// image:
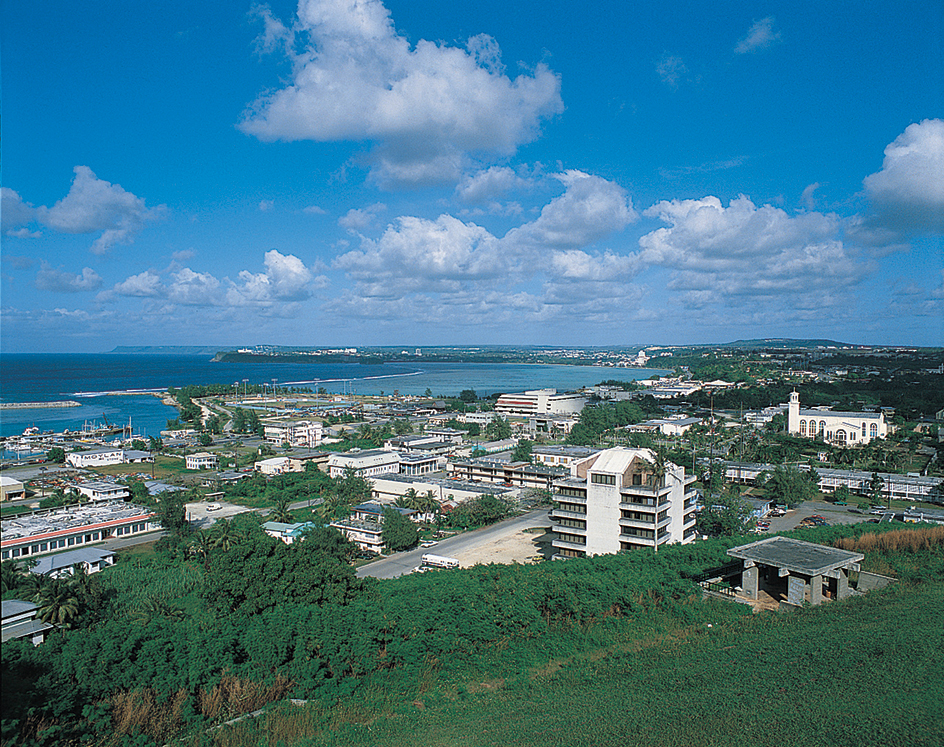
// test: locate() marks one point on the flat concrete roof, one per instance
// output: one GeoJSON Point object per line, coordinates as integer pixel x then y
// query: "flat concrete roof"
{"type": "Point", "coordinates": [796, 555]}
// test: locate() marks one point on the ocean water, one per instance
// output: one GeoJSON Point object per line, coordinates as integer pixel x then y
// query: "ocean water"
{"type": "Point", "coordinates": [113, 388]}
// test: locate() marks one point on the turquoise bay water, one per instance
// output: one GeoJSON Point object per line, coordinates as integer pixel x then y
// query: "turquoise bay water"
{"type": "Point", "coordinates": [110, 387]}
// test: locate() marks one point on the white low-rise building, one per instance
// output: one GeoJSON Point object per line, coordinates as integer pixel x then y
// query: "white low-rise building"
{"type": "Point", "coordinates": [202, 460]}
{"type": "Point", "coordinates": [299, 433]}
{"type": "Point", "coordinates": [21, 620]}
{"type": "Point", "coordinates": [287, 533]}
{"type": "Point", "coordinates": [72, 526]}
{"type": "Point", "coordinates": [364, 463]}
{"type": "Point", "coordinates": [93, 559]}
{"type": "Point", "coordinates": [274, 466]}
{"type": "Point", "coordinates": [102, 490]}
{"type": "Point", "coordinates": [96, 457]}
{"type": "Point", "coordinates": [617, 500]}
{"type": "Point", "coordinates": [10, 489]}
{"type": "Point", "coordinates": [835, 427]}
{"type": "Point", "coordinates": [560, 456]}
{"type": "Point", "coordinates": [390, 487]}
{"type": "Point", "coordinates": [674, 426]}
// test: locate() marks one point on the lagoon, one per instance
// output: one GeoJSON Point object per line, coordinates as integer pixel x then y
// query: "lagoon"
{"type": "Point", "coordinates": [115, 386]}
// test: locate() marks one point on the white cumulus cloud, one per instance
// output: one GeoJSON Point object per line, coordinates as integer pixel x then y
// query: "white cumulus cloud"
{"type": "Point", "coordinates": [743, 249]}
{"type": "Point", "coordinates": [358, 219]}
{"type": "Point", "coordinates": [425, 106]}
{"type": "Point", "coordinates": [94, 205]}
{"type": "Point", "coordinates": [145, 284]}
{"type": "Point", "coordinates": [285, 279]}
{"type": "Point", "coordinates": [908, 193]}
{"type": "Point", "coordinates": [448, 259]}
{"type": "Point", "coordinates": [50, 279]}
{"type": "Point", "coordinates": [590, 209]}
{"type": "Point", "coordinates": [489, 184]}
{"type": "Point", "coordinates": [14, 213]}
{"type": "Point", "coordinates": [420, 253]}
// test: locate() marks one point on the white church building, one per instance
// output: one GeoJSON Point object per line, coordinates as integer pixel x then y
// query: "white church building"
{"type": "Point", "coordinates": [835, 427]}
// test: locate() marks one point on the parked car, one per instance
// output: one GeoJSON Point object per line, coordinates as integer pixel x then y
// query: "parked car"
{"type": "Point", "coordinates": [213, 507]}
{"type": "Point", "coordinates": [777, 512]}
{"type": "Point", "coordinates": [429, 543]}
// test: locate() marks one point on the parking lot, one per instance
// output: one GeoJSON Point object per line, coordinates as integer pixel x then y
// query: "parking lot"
{"type": "Point", "coordinates": [832, 513]}
{"type": "Point", "coordinates": [202, 516]}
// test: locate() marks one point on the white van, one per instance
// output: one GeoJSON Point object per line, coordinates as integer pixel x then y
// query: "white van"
{"type": "Point", "coordinates": [439, 561]}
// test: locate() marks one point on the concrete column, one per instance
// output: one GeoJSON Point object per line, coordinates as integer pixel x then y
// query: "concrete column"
{"type": "Point", "coordinates": [749, 582]}
{"type": "Point", "coordinates": [816, 590]}
{"type": "Point", "coordinates": [842, 584]}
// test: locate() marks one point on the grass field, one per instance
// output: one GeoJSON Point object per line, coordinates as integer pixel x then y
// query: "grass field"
{"type": "Point", "coordinates": [865, 671]}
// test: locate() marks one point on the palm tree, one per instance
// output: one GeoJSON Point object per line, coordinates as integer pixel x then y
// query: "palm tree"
{"type": "Point", "coordinates": [224, 535]}
{"type": "Point", "coordinates": [408, 499]}
{"type": "Point", "coordinates": [426, 503]}
{"type": "Point", "coordinates": [10, 576]}
{"type": "Point", "coordinates": [282, 513]}
{"type": "Point", "coordinates": [156, 607]}
{"type": "Point", "coordinates": [58, 603]}
{"type": "Point", "coordinates": [80, 579]}
{"type": "Point", "coordinates": [657, 478]}
{"type": "Point", "coordinates": [200, 547]}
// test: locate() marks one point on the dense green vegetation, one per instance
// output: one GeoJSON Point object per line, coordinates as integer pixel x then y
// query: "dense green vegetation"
{"type": "Point", "coordinates": [177, 645]}
{"type": "Point", "coordinates": [867, 672]}
{"type": "Point", "coordinates": [911, 394]}
{"type": "Point", "coordinates": [599, 417]}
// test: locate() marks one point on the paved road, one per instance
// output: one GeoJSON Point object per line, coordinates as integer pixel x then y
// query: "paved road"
{"type": "Point", "coordinates": [404, 562]}
{"type": "Point", "coordinates": [121, 543]}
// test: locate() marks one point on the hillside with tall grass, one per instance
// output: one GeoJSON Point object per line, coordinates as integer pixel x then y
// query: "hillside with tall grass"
{"type": "Point", "coordinates": [590, 651]}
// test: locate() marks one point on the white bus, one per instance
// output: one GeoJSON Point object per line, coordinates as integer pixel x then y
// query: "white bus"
{"type": "Point", "coordinates": [439, 561]}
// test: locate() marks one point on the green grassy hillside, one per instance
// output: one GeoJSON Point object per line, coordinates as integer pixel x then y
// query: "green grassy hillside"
{"type": "Point", "coordinates": [867, 671]}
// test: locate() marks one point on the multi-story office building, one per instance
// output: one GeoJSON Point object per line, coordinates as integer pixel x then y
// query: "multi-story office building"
{"type": "Point", "coordinates": [541, 402]}
{"type": "Point", "coordinates": [617, 500]}
{"type": "Point", "coordinates": [299, 433]}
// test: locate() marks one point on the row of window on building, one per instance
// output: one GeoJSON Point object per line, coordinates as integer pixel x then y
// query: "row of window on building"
{"type": "Point", "coordinates": [820, 429]}
{"type": "Point", "coordinates": [63, 542]}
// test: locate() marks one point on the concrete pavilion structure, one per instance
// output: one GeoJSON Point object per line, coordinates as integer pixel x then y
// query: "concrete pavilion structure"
{"type": "Point", "coordinates": [810, 572]}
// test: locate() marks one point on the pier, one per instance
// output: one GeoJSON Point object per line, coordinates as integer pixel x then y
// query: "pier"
{"type": "Point", "coordinates": [38, 405]}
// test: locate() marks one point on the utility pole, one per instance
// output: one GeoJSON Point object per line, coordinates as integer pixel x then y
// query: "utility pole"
{"type": "Point", "coordinates": [711, 445]}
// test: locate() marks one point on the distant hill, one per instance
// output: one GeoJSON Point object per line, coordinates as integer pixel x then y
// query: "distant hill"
{"type": "Point", "coordinates": [786, 342]}
{"type": "Point", "coordinates": [169, 349]}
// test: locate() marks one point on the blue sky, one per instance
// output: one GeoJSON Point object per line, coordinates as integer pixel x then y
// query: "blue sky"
{"type": "Point", "coordinates": [418, 173]}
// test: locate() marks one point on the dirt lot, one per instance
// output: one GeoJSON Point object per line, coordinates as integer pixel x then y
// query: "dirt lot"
{"type": "Point", "coordinates": [522, 546]}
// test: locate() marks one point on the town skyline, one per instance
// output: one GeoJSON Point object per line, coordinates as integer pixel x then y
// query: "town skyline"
{"type": "Point", "coordinates": [369, 174]}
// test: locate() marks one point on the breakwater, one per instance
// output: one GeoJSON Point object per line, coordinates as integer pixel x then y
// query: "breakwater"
{"type": "Point", "coordinates": [38, 405]}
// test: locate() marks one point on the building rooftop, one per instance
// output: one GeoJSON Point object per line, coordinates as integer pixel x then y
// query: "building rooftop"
{"type": "Point", "coordinates": [70, 518]}
{"type": "Point", "coordinates": [11, 607]}
{"type": "Point", "coordinates": [796, 555]}
{"type": "Point", "coordinates": [618, 459]}
{"type": "Point", "coordinates": [840, 414]}
{"type": "Point", "coordinates": [291, 530]}
{"type": "Point", "coordinates": [51, 563]}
